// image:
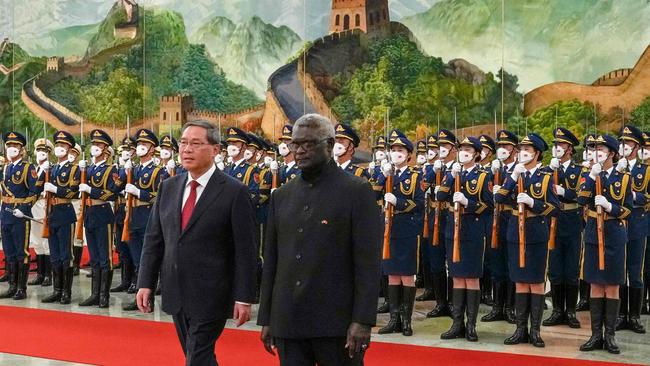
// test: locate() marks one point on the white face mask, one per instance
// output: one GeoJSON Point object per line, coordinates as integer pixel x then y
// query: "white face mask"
{"type": "Point", "coordinates": [248, 154]}
{"type": "Point", "coordinates": [397, 157]}
{"type": "Point", "coordinates": [503, 153]}
{"type": "Point", "coordinates": [431, 154]}
{"type": "Point", "coordinates": [218, 158]}
{"type": "Point", "coordinates": [233, 151]}
{"type": "Point", "coordinates": [558, 152]}
{"type": "Point", "coordinates": [484, 155]}
{"type": "Point", "coordinates": [601, 156]}
{"type": "Point", "coordinates": [525, 157]}
{"type": "Point", "coordinates": [141, 150]}
{"type": "Point", "coordinates": [12, 152]}
{"type": "Point", "coordinates": [339, 149]}
{"type": "Point", "coordinates": [259, 155]}
{"type": "Point", "coordinates": [644, 154]}
{"type": "Point", "coordinates": [156, 161]}
{"type": "Point", "coordinates": [283, 149]}
{"type": "Point", "coordinates": [624, 150]}
{"type": "Point", "coordinates": [71, 158]}
{"type": "Point", "coordinates": [126, 155]}
{"type": "Point", "coordinates": [421, 159]}
{"type": "Point", "coordinates": [95, 151]}
{"type": "Point", "coordinates": [444, 152]}
{"type": "Point", "coordinates": [268, 160]}
{"type": "Point", "coordinates": [41, 155]}
{"type": "Point", "coordinates": [165, 154]}
{"type": "Point", "coordinates": [380, 155]}
{"type": "Point", "coordinates": [60, 152]}
{"type": "Point", "coordinates": [465, 157]}
{"type": "Point", "coordinates": [229, 160]}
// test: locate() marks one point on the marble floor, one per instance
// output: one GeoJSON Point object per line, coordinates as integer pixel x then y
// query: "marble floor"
{"type": "Point", "coordinates": [560, 341]}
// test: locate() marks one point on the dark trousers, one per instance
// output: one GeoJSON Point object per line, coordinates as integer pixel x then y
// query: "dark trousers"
{"type": "Point", "coordinates": [100, 246]}
{"type": "Point", "coordinates": [122, 247]}
{"type": "Point", "coordinates": [635, 262]}
{"type": "Point", "coordinates": [329, 351]}
{"type": "Point", "coordinates": [564, 261]}
{"type": "Point", "coordinates": [15, 241]}
{"type": "Point", "coordinates": [61, 241]}
{"type": "Point", "coordinates": [135, 245]}
{"type": "Point", "coordinates": [198, 338]}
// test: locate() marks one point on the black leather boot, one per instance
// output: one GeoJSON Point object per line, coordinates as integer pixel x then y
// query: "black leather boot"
{"type": "Point", "coordinates": [11, 269]}
{"type": "Point", "coordinates": [571, 299]}
{"type": "Point", "coordinates": [408, 300]}
{"type": "Point", "coordinates": [635, 301]}
{"type": "Point", "coordinates": [644, 307]}
{"type": "Point", "coordinates": [457, 329]}
{"type": "Point", "coordinates": [94, 288]}
{"type": "Point", "coordinates": [521, 312]}
{"type": "Point", "coordinates": [428, 293]}
{"type": "Point", "coordinates": [133, 288]}
{"type": "Point", "coordinates": [473, 302]}
{"type": "Point", "coordinates": [621, 322]}
{"type": "Point", "coordinates": [557, 316]}
{"type": "Point", "coordinates": [395, 323]}
{"type": "Point", "coordinates": [497, 312]}
{"type": "Point", "coordinates": [597, 310]}
{"type": "Point", "coordinates": [583, 304]}
{"type": "Point", "coordinates": [536, 314]}
{"type": "Point", "coordinates": [47, 271]}
{"type": "Point", "coordinates": [68, 275]}
{"type": "Point", "coordinates": [78, 252]}
{"type": "Point", "coordinates": [510, 305]}
{"type": "Point", "coordinates": [611, 315]}
{"type": "Point", "coordinates": [486, 291]}
{"type": "Point", "coordinates": [105, 287]}
{"type": "Point", "coordinates": [384, 308]}
{"type": "Point", "coordinates": [126, 276]}
{"type": "Point", "coordinates": [440, 290]}
{"type": "Point", "coordinates": [23, 274]}
{"type": "Point", "coordinates": [40, 266]}
{"type": "Point", "coordinates": [57, 282]}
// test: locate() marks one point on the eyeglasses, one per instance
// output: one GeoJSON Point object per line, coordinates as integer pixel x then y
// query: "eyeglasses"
{"type": "Point", "coordinates": [193, 144]}
{"type": "Point", "coordinates": [306, 145]}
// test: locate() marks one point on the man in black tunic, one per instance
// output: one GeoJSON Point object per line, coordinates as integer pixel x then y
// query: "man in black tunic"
{"type": "Point", "coordinates": [322, 258]}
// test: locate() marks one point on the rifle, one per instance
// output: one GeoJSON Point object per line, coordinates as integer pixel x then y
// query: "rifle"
{"type": "Point", "coordinates": [436, 215]}
{"type": "Point", "coordinates": [274, 174]}
{"type": "Point", "coordinates": [425, 228]}
{"type": "Point", "coordinates": [553, 230]}
{"type": "Point", "coordinates": [388, 212]}
{"type": "Point", "coordinates": [84, 196]}
{"type": "Point", "coordinates": [129, 201]}
{"type": "Point", "coordinates": [457, 208]}
{"type": "Point", "coordinates": [494, 241]}
{"type": "Point", "coordinates": [48, 201]}
{"type": "Point", "coordinates": [600, 224]}
{"type": "Point", "coordinates": [522, 225]}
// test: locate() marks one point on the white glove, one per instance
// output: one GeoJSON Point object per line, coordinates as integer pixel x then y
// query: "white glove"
{"type": "Point", "coordinates": [221, 165]}
{"type": "Point", "coordinates": [371, 167]}
{"type": "Point", "coordinates": [525, 199]}
{"type": "Point", "coordinates": [496, 165]}
{"type": "Point", "coordinates": [273, 190]}
{"type": "Point", "coordinates": [387, 170]}
{"type": "Point", "coordinates": [49, 187]}
{"type": "Point", "coordinates": [128, 165]}
{"type": "Point", "coordinates": [121, 161]}
{"type": "Point", "coordinates": [427, 194]}
{"type": "Point", "coordinates": [496, 188]}
{"type": "Point", "coordinates": [437, 165]}
{"type": "Point", "coordinates": [455, 169]}
{"type": "Point", "coordinates": [274, 167]}
{"type": "Point", "coordinates": [436, 189]}
{"type": "Point", "coordinates": [586, 164]}
{"type": "Point", "coordinates": [19, 214]}
{"type": "Point", "coordinates": [518, 170]}
{"type": "Point", "coordinates": [621, 166]}
{"type": "Point", "coordinates": [83, 164]}
{"type": "Point", "coordinates": [596, 169]}
{"type": "Point", "coordinates": [603, 202]}
{"type": "Point", "coordinates": [132, 190]}
{"type": "Point", "coordinates": [460, 197]}
{"type": "Point", "coordinates": [83, 187]}
{"type": "Point", "coordinates": [45, 165]}
{"type": "Point", "coordinates": [390, 198]}
{"type": "Point", "coordinates": [560, 191]}
{"type": "Point", "coordinates": [219, 158]}
{"type": "Point", "coordinates": [171, 166]}
{"type": "Point", "coordinates": [554, 164]}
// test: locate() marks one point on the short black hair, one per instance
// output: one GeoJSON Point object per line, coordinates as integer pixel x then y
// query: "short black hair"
{"type": "Point", "coordinates": [214, 135]}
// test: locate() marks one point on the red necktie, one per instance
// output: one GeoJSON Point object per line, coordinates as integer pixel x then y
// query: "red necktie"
{"type": "Point", "coordinates": [189, 205]}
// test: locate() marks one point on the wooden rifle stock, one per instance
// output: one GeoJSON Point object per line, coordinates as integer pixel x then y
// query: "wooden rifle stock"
{"type": "Point", "coordinates": [551, 240]}
{"type": "Point", "coordinates": [600, 224]}
{"type": "Point", "coordinates": [46, 226]}
{"type": "Point", "coordinates": [82, 209]}
{"type": "Point", "coordinates": [494, 242]}
{"type": "Point", "coordinates": [436, 216]}
{"type": "Point", "coordinates": [274, 180]}
{"type": "Point", "coordinates": [388, 216]}
{"type": "Point", "coordinates": [522, 225]}
{"type": "Point", "coordinates": [457, 213]}
{"type": "Point", "coordinates": [129, 205]}
{"type": "Point", "coordinates": [425, 228]}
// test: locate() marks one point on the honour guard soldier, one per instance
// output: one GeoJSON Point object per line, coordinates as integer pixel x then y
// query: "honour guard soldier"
{"type": "Point", "coordinates": [631, 141]}
{"type": "Point", "coordinates": [43, 148]}
{"type": "Point", "coordinates": [63, 184]}
{"type": "Point", "coordinates": [588, 158]}
{"type": "Point", "coordinates": [447, 151]}
{"type": "Point", "coordinates": [489, 149]}
{"type": "Point", "coordinates": [374, 169]}
{"type": "Point", "coordinates": [21, 186]}
{"type": "Point", "coordinates": [605, 240]}
{"type": "Point", "coordinates": [77, 250]}
{"type": "Point", "coordinates": [240, 169]}
{"type": "Point", "coordinates": [169, 149]}
{"type": "Point", "coordinates": [644, 155]}
{"type": "Point", "coordinates": [407, 199]}
{"type": "Point", "coordinates": [487, 155]}
{"type": "Point", "coordinates": [421, 157]}
{"type": "Point", "coordinates": [527, 255]}
{"type": "Point", "coordinates": [504, 289]}
{"type": "Point", "coordinates": [145, 181]}
{"type": "Point", "coordinates": [102, 186]}
{"type": "Point", "coordinates": [347, 141]}
{"type": "Point", "coordinates": [564, 266]}
{"type": "Point", "coordinates": [465, 240]}
{"type": "Point", "coordinates": [289, 170]}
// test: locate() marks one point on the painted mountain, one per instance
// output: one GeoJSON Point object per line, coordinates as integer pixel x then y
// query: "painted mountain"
{"type": "Point", "coordinates": [545, 40]}
{"type": "Point", "coordinates": [250, 51]}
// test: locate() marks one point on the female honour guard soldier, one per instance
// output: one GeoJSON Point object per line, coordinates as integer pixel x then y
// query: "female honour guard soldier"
{"type": "Point", "coordinates": [465, 257]}
{"type": "Point", "coordinates": [407, 199]}
{"type": "Point", "coordinates": [616, 201]}
{"type": "Point", "coordinates": [527, 258]}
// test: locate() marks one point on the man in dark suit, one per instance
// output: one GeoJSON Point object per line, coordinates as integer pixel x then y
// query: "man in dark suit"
{"type": "Point", "coordinates": [322, 258]}
{"type": "Point", "coordinates": [200, 236]}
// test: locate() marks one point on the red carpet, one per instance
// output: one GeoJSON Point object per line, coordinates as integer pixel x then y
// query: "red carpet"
{"type": "Point", "coordinates": [104, 340]}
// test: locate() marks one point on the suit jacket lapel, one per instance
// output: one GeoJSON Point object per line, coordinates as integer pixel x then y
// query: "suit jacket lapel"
{"type": "Point", "coordinates": [177, 191]}
{"type": "Point", "coordinates": [211, 190]}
